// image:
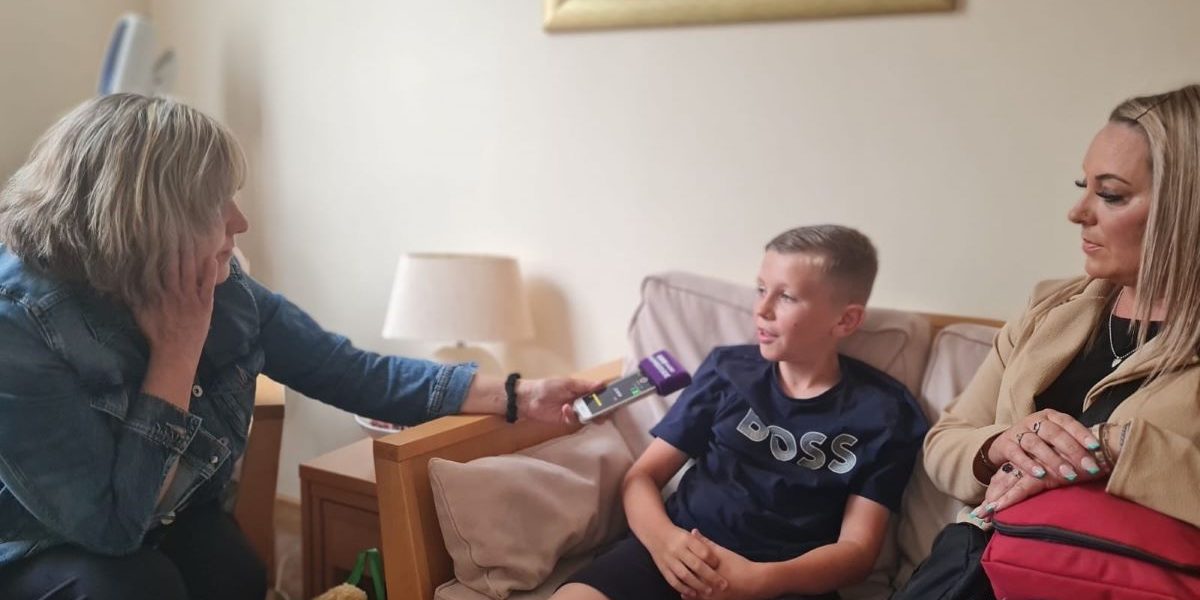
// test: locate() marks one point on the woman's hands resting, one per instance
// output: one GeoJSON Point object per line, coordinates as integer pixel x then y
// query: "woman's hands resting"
{"type": "Point", "coordinates": [1045, 450]}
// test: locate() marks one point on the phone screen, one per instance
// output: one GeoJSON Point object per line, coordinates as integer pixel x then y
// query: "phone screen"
{"type": "Point", "coordinates": [618, 392]}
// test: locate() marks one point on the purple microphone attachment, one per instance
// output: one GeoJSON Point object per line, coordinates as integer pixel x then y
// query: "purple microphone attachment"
{"type": "Point", "coordinates": [667, 375]}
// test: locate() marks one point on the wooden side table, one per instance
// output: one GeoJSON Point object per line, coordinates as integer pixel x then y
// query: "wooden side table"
{"type": "Point", "coordinates": [339, 515]}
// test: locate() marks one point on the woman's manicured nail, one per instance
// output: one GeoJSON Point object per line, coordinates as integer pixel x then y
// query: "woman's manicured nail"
{"type": "Point", "coordinates": [1090, 465]}
{"type": "Point", "coordinates": [990, 508]}
{"type": "Point", "coordinates": [1039, 472]}
{"type": "Point", "coordinates": [1092, 444]}
{"type": "Point", "coordinates": [1068, 472]}
{"type": "Point", "coordinates": [975, 512]}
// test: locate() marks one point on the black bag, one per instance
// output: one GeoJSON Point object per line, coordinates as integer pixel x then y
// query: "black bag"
{"type": "Point", "coordinates": [952, 571]}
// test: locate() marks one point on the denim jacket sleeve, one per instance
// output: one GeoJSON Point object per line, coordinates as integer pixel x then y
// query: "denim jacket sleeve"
{"type": "Point", "coordinates": [91, 479]}
{"type": "Point", "coordinates": [327, 367]}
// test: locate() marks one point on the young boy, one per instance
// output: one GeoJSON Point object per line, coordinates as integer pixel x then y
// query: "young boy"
{"type": "Point", "coordinates": [800, 452]}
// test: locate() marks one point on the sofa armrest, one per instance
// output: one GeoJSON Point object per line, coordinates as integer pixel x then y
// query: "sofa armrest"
{"type": "Point", "coordinates": [255, 505]}
{"type": "Point", "coordinates": [414, 553]}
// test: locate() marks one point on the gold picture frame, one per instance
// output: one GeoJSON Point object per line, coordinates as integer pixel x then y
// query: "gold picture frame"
{"type": "Point", "coordinates": [576, 15]}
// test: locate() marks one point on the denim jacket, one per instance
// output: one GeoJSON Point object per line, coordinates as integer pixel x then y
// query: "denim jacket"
{"type": "Point", "coordinates": [84, 453]}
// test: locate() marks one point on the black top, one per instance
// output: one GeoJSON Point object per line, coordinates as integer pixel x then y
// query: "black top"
{"type": "Point", "coordinates": [1091, 365]}
{"type": "Point", "coordinates": [773, 473]}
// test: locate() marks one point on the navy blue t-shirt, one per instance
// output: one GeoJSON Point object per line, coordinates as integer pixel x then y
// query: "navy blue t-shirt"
{"type": "Point", "coordinates": [772, 473]}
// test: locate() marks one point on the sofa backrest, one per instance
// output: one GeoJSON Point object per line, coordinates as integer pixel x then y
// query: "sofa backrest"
{"type": "Point", "coordinates": [957, 352]}
{"type": "Point", "coordinates": [689, 314]}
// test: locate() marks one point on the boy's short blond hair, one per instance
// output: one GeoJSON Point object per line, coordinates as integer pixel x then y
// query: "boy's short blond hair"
{"type": "Point", "coordinates": [114, 187]}
{"type": "Point", "coordinates": [846, 255]}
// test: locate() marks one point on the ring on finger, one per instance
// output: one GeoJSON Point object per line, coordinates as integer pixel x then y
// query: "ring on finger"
{"type": "Point", "coordinates": [1036, 426]}
{"type": "Point", "coordinates": [1020, 435]}
{"type": "Point", "coordinates": [1011, 469]}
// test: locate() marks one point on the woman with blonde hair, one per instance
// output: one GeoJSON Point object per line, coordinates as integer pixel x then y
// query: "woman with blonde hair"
{"type": "Point", "coordinates": [130, 341]}
{"type": "Point", "coordinates": [1098, 378]}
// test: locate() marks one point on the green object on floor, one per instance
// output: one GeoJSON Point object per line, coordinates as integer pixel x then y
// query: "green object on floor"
{"type": "Point", "coordinates": [369, 559]}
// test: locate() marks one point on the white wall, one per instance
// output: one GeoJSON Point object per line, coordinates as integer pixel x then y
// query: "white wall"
{"type": "Point", "coordinates": [50, 55]}
{"type": "Point", "coordinates": [382, 127]}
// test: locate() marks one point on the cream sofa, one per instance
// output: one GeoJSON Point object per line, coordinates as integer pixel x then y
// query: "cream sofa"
{"type": "Point", "coordinates": [934, 355]}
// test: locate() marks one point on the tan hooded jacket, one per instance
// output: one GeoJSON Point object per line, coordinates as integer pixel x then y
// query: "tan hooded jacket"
{"type": "Point", "coordinates": [1159, 466]}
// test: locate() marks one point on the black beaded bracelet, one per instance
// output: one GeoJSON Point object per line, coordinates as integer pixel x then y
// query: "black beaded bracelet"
{"type": "Point", "coordinates": [510, 390]}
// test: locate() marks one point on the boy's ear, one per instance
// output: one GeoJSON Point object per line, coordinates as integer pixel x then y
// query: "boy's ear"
{"type": "Point", "coordinates": [851, 319]}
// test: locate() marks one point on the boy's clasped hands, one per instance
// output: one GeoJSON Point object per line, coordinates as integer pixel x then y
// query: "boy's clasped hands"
{"type": "Point", "coordinates": [697, 567]}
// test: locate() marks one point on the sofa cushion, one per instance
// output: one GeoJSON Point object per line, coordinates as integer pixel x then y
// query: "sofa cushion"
{"type": "Point", "coordinates": [508, 519]}
{"type": "Point", "coordinates": [456, 590]}
{"type": "Point", "coordinates": [957, 353]}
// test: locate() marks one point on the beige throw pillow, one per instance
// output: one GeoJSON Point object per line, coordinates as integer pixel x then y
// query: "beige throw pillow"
{"type": "Point", "coordinates": [507, 520]}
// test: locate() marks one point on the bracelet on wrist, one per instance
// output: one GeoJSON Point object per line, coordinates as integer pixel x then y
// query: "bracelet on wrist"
{"type": "Point", "coordinates": [510, 393]}
{"type": "Point", "coordinates": [1101, 454]}
{"type": "Point", "coordinates": [982, 456]}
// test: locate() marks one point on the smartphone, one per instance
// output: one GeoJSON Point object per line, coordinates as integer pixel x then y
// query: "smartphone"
{"type": "Point", "coordinates": [617, 394]}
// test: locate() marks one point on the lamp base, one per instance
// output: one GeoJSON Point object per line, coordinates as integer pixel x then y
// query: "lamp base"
{"type": "Point", "coordinates": [461, 353]}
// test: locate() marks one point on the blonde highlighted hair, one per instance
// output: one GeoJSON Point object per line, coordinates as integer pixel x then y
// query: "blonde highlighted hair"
{"type": "Point", "coordinates": [112, 189]}
{"type": "Point", "coordinates": [1169, 271]}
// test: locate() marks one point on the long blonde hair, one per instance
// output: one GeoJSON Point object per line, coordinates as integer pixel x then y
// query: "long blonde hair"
{"type": "Point", "coordinates": [111, 189]}
{"type": "Point", "coordinates": [1169, 270]}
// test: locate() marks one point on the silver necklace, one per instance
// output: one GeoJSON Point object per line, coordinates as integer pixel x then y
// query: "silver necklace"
{"type": "Point", "coordinates": [1117, 358]}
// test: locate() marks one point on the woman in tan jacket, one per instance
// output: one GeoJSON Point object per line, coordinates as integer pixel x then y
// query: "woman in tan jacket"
{"type": "Point", "coordinates": [1099, 377]}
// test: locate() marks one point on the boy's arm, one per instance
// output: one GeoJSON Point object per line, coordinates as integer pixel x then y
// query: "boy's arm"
{"type": "Point", "coordinates": [685, 562]}
{"type": "Point", "coordinates": [829, 567]}
{"type": "Point", "coordinates": [642, 491]}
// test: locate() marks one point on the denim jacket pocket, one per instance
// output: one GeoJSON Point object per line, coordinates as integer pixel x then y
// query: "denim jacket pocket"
{"type": "Point", "coordinates": [231, 394]}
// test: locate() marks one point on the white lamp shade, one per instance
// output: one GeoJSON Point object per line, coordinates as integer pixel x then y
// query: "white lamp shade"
{"type": "Point", "coordinates": [458, 297]}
